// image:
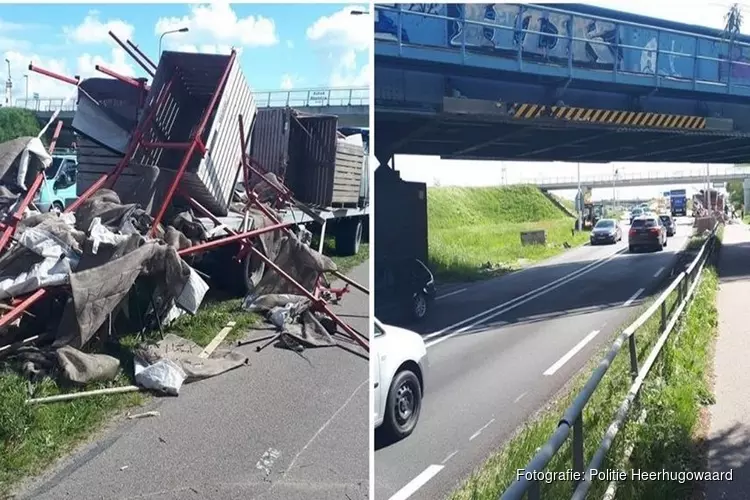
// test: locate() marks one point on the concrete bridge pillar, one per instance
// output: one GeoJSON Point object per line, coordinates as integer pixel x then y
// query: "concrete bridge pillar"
{"type": "Point", "coordinates": [746, 193]}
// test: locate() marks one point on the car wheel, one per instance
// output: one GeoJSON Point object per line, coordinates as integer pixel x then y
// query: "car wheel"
{"type": "Point", "coordinates": [419, 306]}
{"type": "Point", "coordinates": [403, 405]}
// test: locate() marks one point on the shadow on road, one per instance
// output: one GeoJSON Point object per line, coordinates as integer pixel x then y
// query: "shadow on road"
{"type": "Point", "coordinates": [548, 292]}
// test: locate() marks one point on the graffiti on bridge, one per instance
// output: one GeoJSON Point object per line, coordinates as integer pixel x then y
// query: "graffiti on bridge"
{"type": "Point", "coordinates": [595, 41]}
{"type": "Point", "coordinates": [556, 37]}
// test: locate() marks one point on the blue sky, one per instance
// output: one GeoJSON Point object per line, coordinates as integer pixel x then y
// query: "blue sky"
{"type": "Point", "coordinates": [281, 45]}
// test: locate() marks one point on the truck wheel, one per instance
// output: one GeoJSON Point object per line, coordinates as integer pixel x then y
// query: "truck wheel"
{"type": "Point", "coordinates": [349, 237]}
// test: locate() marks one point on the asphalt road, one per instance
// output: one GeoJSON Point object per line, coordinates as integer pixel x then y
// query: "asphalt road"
{"type": "Point", "coordinates": [490, 371]}
{"type": "Point", "coordinates": [282, 428]}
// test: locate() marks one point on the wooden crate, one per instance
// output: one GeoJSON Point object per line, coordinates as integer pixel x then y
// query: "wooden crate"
{"type": "Point", "coordinates": [347, 177]}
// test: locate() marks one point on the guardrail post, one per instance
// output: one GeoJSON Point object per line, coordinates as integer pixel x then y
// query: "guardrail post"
{"type": "Point", "coordinates": [534, 490]}
{"type": "Point", "coordinates": [633, 357]}
{"type": "Point", "coordinates": [663, 310]}
{"type": "Point", "coordinates": [578, 458]}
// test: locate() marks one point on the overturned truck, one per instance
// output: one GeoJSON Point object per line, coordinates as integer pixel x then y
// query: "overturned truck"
{"type": "Point", "coordinates": [168, 186]}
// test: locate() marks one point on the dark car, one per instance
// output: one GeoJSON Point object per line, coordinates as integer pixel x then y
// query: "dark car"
{"type": "Point", "coordinates": [647, 232]}
{"type": "Point", "coordinates": [606, 231]}
{"type": "Point", "coordinates": [404, 289]}
{"type": "Point", "coordinates": [636, 212]}
{"type": "Point", "coordinates": [669, 223]}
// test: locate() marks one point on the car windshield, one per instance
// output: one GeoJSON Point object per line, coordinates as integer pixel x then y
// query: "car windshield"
{"type": "Point", "coordinates": [666, 219]}
{"type": "Point", "coordinates": [606, 223]}
{"type": "Point", "coordinates": [644, 223]}
{"type": "Point", "coordinates": [637, 211]}
{"type": "Point", "coordinates": [51, 171]}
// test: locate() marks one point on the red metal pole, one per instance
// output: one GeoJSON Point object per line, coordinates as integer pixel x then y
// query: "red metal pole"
{"type": "Point", "coordinates": [315, 300]}
{"type": "Point", "coordinates": [140, 53]}
{"type": "Point", "coordinates": [194, 143]}
{"type": "Point", "coordinates": [10, 229]}
{"type": "Point", "coordinates": [118, 76]}
{"type": "Point", "coordinates": [202, 247]}
{"type": "Point", "coordinates": [131, 54]}
{"type": "Point", "coordinates": [20, 308]}
{"type": "Point", "coordinates": [37, 69]}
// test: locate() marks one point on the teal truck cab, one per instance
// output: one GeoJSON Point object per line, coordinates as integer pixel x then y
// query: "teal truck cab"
{"type": "Point", "coordinates": [60, 184]}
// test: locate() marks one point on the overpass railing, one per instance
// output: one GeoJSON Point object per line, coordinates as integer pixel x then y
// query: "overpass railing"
{"type": "Point", "coordinates": [302, 98]}
{"type": "Point", "coordinates": [639, 176]}
{"type": "Point", "coordinates": [565, 39]}
{"type": "Point", "coordinates": [530, 478]}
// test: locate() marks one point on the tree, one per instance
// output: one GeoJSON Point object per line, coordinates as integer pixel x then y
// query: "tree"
{"type": "Point", "coordinates": [736, 192]}
{"type": "Point", "coordinates": [15, 123]}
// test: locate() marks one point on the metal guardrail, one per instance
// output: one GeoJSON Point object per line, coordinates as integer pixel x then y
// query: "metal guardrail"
{"type": "Point", "coordinates": [302, 98]}
{"type": "Point", "coordinates": [572, 419]}
{"type": "Point", "coordinates": [566, 39]}
{"type": "Point", "coordinates": [651, 175]}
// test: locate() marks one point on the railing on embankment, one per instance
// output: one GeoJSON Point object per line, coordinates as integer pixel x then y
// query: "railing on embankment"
{"type": "Point", "coordinates": [572, 419]}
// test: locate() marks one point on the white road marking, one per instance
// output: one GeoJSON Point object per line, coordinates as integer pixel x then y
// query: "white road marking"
{"type": "Point", "coordinates": [328, 422]}
{"type": "Point", "coordinates": [580, 345]}
{"type": "Point", "coordinates": [518, 301]}
{"type": "Point", "coordinates": [657, 273]}
{"type": "Point", "coordinates": [417, 482]}
{"type": "Point", "coordinates": [632, 299]}
{"type": "Point", "coordinates": [211, 347]}
{"type": "Point", "coordinates": [480, 430]}
{"type": "Point", "coordinates": [448, 457]}
{"type": "Point", "coordinates": [454, 292]}
{"type": "Point", "coordinates": [519, 398]}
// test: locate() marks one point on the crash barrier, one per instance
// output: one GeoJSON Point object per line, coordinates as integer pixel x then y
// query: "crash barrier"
{"type": "Point", "coordinates": [572, 418]}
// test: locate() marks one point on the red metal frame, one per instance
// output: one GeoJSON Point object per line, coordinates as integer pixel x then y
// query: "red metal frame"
{"type": "Point", "coordinates": [190, 147]}
{"type": "Point", "coordinates": [122, 78]}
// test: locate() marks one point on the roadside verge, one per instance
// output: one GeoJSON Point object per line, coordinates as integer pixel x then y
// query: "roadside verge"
{"type": "Point", "coordinates": [500, 470]}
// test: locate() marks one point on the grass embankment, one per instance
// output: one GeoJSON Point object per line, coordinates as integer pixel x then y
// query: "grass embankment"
{"type": "Point", "coordinates": [32, 437]}
{"type": "Point", "coordinates": [672, 397]}
{"type": "Point", "coordinates": [474, 233]}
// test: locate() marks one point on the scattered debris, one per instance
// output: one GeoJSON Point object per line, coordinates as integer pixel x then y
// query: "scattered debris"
{"type": "Point", "coordinates": [144, 415]}
{"type": "Point", "coordinates": [155, 206]}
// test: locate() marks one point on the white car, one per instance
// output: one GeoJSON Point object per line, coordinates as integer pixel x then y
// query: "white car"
{"type": "Point", "coordinates": [399, 373]}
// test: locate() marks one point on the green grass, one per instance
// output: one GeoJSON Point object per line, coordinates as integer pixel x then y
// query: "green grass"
{"type": "Point", "coordinates": [673, 397]}
{"type": "Point", "coordinates": [32, 437]}
{"type": "Point", "coordinates": [474, 233]}
{"type": "Point", "coordinates": [687, 388]}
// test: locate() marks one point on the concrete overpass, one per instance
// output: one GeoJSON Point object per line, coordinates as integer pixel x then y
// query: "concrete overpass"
{"type": "Point", "coordinates": [537, 82]}
{"type": "Point", "coordinates": [351, 105]}
{"type": "Point", "coordinates": [653, 178]}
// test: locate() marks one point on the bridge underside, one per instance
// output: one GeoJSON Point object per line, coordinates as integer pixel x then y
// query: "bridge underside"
{"type": "Point", "coordinates": [493, 138]}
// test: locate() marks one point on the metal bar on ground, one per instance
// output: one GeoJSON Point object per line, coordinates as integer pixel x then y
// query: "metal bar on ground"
{"type": "Point", "coordinates": [208, 245]}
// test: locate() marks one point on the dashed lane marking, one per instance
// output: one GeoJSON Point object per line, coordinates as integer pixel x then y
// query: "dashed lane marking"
{"type": "Point", "coordinates": [580, 345]}
{"type": "Point", "coordinates": [476, 434]}
{"type": "Point", "coordinates": [417, 482]}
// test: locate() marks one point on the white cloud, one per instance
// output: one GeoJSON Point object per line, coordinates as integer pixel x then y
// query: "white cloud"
{"type": "Point", "coordinates": [287, 82]}
{"type": "Point", "coordinates": [289, 44]}
{"type": "Point", "coordinates": [342, 29]}
{"type": "Point", "coordinates": [217, 26]}
{"type": "Point", "coordinates": [92, 30]}
{"type": "Point", "coordinates": [46, 87]}
{"type": "Point", "coordinates": [340, 37]}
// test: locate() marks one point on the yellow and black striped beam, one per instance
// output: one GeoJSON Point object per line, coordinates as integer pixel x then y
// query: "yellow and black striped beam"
{"type": "Point", "coordinates": [608, 117]}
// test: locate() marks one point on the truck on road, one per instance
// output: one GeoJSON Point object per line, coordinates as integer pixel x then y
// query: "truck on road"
{"type": "Point", "coordinates": [678, 202]}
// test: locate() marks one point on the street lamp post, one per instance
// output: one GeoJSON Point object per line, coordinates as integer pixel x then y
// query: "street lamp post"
{"type": "Point", "coordinates": [8, 85]}
{"type": "Point", "coordinates": [26, 78]}
{"type": "Point", "coordinates": [181, 30]}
